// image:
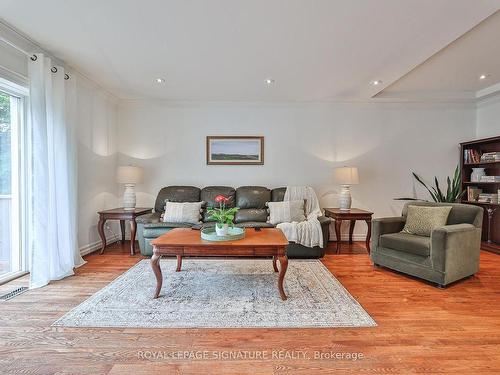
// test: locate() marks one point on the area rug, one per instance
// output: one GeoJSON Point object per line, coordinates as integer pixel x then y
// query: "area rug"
{"type": "Point", "coordinates": [215, 293]}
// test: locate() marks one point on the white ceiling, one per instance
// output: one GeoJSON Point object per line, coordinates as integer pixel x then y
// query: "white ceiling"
{"type": "Point", "coordinates": [454, 71]}
{"type": "Point", "coordinates": [225, 49]}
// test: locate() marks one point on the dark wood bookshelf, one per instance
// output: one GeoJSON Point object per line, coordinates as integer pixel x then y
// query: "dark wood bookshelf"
{"type": "Point", "coordinates": [491, 219]}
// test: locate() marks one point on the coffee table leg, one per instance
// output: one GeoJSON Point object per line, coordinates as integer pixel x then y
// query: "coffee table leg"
{"type": "Point", "coordinates": [283, 266]}
{"type": "Point", "coordinates": [155, 265]}
{"type": "Point", "coordinates": [179, 263]}
{"type": "Point", "coordinates": [275, 266]}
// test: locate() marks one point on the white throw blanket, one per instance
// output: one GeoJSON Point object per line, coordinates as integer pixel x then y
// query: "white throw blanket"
{"type": "Point", "coordinates": [308, 232]}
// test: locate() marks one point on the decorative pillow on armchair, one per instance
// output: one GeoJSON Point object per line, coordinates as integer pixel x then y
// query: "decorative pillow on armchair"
{"type": "Point", "coordinates": [422, 220]}
{"type": "Point", "coordinates": [186, 212]}
{"type": "Point", "coordinates": [286, 212]}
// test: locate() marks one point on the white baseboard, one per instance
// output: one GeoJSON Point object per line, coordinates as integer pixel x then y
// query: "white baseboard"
{"type": "Point", "coordinates": [345, 237]}
{"type": "Point", "coordinates": [90, 248]}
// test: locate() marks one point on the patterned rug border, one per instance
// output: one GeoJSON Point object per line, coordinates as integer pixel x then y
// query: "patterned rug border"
{"type": "Point", "coordinates": [59, 322]}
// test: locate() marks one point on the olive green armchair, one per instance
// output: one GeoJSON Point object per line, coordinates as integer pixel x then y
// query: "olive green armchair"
{"type": "Point", "coordinates": [450, 253]}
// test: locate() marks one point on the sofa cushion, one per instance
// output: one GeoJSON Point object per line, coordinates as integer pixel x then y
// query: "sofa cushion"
{"type": "Point", "coordinates": [185, 212]}
{"type": "Point", "coordinates": [422, 220]}
{"type": "Point", "coordinates": [176, 194]}
{"type": "Point", "coordinates": [408, 243]}
{"type": "Point", "coordinates": [252, 197]}
{"type": "Point", "coordinates": [278, 194]}
{"type": "Point", "coordinates": [251, 214]}
{"type": "Point", "coordinates": [209, 193]}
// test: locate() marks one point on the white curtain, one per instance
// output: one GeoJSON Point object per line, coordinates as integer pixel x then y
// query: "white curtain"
{"type": "Point", "coordinates": [52, 186]}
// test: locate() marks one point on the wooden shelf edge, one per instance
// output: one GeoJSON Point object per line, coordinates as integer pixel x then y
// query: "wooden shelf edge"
{"type": "Point", "coordinates": [481, 163]}
{"type": "Point", "coordinates": [491, 247]}
{"type": "Point", "coordinates": [472, 183]}
{"type": "Point", "coordinates": [482, 203]}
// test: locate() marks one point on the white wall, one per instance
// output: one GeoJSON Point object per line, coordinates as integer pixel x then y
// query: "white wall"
{"type": "Point", "coordinates": [488, 118]}
{"type": "Point", "coordinates": [97, 160]}
{"type": "Point", "coordinates": [303, 143]}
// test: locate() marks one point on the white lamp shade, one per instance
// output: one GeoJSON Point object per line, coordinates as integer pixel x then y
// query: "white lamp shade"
{"type": "Point", "coordinates": [129, 175]}
{"type": "Point", "coordinates": [346, 175]}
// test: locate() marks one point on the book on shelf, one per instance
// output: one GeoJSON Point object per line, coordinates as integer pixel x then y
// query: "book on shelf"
{"type": "Point", "coordinates": [473, 193]}
{"type": "Point", "coordinates": [490, 179]}
{"type": "Point", "coordinates": [490, 156]}
{"type": "Point", "coordinates": [472, 156]}
{"type": "Point", "coordinates": [487, 198]}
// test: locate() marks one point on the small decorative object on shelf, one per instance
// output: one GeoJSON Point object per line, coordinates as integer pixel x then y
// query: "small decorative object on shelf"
{"type": "Point", "coordinates": [477, 174]}
{"type": "Point", "coordinates": [473, 193]}
{"type": "Point", "coordinates": [223, 216]}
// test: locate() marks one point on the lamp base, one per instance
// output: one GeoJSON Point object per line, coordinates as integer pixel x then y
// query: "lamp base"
{"type": "Point", "coordinates": [129, 197]}
{"type": "Point", "coordinates": [345, 198]}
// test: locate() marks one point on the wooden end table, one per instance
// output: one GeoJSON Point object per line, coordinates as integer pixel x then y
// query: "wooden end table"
{"type": "Point", "coordinates": [122, 215]}
{"type": "Point", "coordinates": [352, 215]}
{"type": "Point", "coordinates": [187, 242]}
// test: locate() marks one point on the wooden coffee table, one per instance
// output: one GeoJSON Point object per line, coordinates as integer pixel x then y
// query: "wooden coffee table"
{"type": "Point", "coordinates": [187, 242]}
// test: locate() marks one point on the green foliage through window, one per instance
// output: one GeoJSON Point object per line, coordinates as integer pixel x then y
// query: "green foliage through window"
{"type": "Point", "coordinates": [5, 146]}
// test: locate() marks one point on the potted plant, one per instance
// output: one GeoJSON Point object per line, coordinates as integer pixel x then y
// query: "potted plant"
{"type": "Point", "coordinates": [223, 216]}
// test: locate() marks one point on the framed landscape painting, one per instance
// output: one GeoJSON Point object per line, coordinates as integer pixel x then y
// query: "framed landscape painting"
{"type": "Point", "coordinates": [235, 150]}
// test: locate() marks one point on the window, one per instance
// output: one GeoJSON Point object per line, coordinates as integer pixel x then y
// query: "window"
{"type": "Point", "coordinates": [12, 256]}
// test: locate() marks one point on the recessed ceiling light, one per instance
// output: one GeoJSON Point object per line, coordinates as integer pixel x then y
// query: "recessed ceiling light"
{"type": "Point", "coordinates": [269, 81]}
{"type": "Point", "coordinates": [483, 76]}
{"type": "Point", "coordinates": [160, 80]}
{"type": "Point", "coordinates": [376, 82]}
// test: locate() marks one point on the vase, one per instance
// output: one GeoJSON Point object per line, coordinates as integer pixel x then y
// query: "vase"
{"type": "Point", "coordinates": [345, 198]}
{"type": "Point", "coordinates": [221, 229]}
{"type": "Point", "coordinates": [476, 174]}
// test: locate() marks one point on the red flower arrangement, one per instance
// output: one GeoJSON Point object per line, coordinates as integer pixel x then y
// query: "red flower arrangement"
{"type": "Point", "coordinates": [223, 216]}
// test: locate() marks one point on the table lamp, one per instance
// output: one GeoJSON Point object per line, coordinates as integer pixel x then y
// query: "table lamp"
{"type": "Point", "coordinates": [346, 176]}
{"type": "Point", "coordinates": [129, 175]}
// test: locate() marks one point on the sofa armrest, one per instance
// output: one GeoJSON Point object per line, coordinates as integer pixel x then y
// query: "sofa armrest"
{"type": "Point", "coordinates": [385, 225]}
{"type": "Point", "coordinates": [148, 218]}
{"type": "Point", "coordinates": [455, 248]}
{"type": "Point", "coordinates": [325, 229]}
{"type": "Point", "coordinates": [323, 220]}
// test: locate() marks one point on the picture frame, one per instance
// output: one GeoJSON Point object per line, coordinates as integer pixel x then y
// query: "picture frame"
{"type": "Point", "coordinates": [235, 150]}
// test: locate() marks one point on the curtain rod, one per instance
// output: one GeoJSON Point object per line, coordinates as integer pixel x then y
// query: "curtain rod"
{"type": "Point", "coordinates": [32, 56]}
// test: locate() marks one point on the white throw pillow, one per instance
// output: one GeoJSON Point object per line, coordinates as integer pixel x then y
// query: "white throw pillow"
{"type": "Point", "coordinates": [286, 212]}
{"type": "Point", "coordinates": [185, 212]}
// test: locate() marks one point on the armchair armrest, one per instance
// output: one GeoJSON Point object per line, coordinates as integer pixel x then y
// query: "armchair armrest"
{"type": "Point", "coordinates": [455, 248]}
{"type": "Point", "coordinates": [148, 218]}
{"type": "Point", "coordinates": [385, 225]}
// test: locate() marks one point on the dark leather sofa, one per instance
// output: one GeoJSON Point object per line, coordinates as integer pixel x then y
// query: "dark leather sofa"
{"type": "Point", "coordinates": [252, 213]}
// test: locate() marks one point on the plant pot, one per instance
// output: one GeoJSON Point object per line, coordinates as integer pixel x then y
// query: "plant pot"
{"type": "Point", "coordinates": [221, 229]}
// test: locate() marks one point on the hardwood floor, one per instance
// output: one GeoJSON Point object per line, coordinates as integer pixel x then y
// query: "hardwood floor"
{"type": "Point", "coordinates": [421, 329]}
